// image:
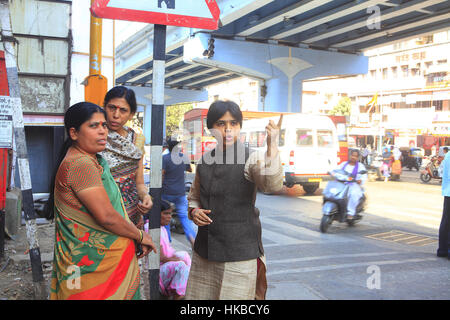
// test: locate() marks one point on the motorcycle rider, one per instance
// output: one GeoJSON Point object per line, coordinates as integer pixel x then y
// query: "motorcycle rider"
{"type": "Point", "coordinates": [356, 191]}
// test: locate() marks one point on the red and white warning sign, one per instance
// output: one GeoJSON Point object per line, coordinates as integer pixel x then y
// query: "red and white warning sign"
{"type": "Point", "coordinates": [202, 14]}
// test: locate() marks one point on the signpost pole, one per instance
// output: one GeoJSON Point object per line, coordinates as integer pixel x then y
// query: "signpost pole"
{"type": "Point", "coordinates": [157, 124]}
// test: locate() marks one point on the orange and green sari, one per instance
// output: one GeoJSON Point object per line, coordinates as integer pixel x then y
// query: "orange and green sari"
{"type": "Point", "coordinates": [90, 263]}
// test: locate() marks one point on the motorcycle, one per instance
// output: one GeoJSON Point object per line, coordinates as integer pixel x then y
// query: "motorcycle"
{"type": "Point", "coordinates": [430, 170]}
{"type": "Point", "coordinates": [335, 198]}
{"type": "Point", "coordinates": [377, 168]}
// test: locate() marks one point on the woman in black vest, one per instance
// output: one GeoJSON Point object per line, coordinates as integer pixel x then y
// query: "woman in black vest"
{"type": "Point", "coordinates": [228, 260]}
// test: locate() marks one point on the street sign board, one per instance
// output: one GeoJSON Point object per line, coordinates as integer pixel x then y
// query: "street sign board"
{"type": "Point", "coordinates": [202, 14]}
{"type": "Point", "coordinates": [6, 122]}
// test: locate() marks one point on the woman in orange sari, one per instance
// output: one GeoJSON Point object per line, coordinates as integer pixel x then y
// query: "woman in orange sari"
{"type": "Point", "coordinates": [95, 252]}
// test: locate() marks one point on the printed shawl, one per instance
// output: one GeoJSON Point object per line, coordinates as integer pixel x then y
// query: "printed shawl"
{"type": "Point", "coordinates": [123, 155]}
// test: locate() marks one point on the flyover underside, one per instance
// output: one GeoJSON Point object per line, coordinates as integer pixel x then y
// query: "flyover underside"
{"type": "Point", "coordinates": [280, 43]}
{"type": "Point", "coordinates": [280, 68]}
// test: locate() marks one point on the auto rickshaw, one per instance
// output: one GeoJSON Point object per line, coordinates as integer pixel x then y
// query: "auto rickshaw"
{"type": "Point", "coordinates": [412, 157]}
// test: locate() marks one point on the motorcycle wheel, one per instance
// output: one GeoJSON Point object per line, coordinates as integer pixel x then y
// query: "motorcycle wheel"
{"type": "Point", "coordinates": [325, 223]}
{"type": "Point", "coordinates": [425, 177]}
{"type": "Point", "coordinates": [175, 226]}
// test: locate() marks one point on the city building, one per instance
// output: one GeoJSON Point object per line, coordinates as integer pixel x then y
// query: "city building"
{"type": "Point", "coordinates": [404, 99]}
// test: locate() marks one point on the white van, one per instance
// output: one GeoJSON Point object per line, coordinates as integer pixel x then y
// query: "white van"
{"type": "Point", "coordinates": [308, 147]}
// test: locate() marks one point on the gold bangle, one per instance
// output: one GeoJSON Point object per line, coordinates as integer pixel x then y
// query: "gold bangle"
{"type": "Point", "coordinates": [141, 236]}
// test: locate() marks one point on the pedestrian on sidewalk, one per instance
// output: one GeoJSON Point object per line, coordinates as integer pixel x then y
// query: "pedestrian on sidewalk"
{"type": "Point", "coordinates": [95, 252]}
{"type": "Point", "coordinates": [228, 260]}
{"type": "Point", "coordinates": [444, 229]}
{"type": "Point", "coordinates": [124, 153]}
{"type": "Point", "coordinates": [173, 188]}
{"type": "Point", "coordinates": [364, 155]}
{"type": "Point", "coordinates": [174, 265]}
{"type": "Point", "coordinates": [386, 166]}
{"type": "Point", "coordinates": [440, 161]}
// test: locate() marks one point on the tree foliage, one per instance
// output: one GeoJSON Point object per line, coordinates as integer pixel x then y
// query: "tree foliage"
{"type": "Point", "coordinates": [343, 108]}
{"type": "Point", "coordinates": [174, 116]}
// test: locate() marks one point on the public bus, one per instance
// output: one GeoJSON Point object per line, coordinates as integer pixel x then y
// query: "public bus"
{"type": "Point", "coordinates": [308, 145]}
{"type": "Point", "coordinates": [341, 127]}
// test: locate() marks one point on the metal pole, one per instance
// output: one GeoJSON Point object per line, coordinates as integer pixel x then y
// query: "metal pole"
{"type": "Point", "coordinates": [96, 85]}
{"type": "Point", "coordinates": [40, 287]}
{"type": "Point", "coordinates": [95, 45]}
{"type": "Point", "coordinates": [3, 186]}
{"type": "Point", "coordinates": [159, 59]}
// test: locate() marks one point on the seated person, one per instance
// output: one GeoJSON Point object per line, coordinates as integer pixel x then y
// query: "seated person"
{"type": "Point", "coordinates": [174, 265]}
{"type": "Point", "coordinates": [355, 192]}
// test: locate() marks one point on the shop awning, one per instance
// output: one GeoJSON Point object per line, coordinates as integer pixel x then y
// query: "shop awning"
{"type": "Point", "coordinates": [410, 118]}
{"type": "Point", "coordinates": [362, 131]}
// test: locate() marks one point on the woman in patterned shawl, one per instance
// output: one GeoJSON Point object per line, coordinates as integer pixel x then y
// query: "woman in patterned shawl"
{"type": "Point", "coordinates": [124, 153]}
{"type": "Point", "coordinates": [95, 253]}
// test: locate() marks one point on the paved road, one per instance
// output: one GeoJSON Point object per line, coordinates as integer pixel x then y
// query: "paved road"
{"type": "Point", "coordinates": [390, 254]}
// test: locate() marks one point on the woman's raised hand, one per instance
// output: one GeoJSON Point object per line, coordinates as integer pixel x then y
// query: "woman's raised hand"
{"type": "Point", "coordinates": [273, 131]}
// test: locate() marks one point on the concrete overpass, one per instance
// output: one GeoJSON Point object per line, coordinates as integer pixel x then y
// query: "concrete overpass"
{"type": "Point", "coordinates": [278, 42]}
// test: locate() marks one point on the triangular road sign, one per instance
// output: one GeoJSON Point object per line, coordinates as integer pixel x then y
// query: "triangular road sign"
{"type": "Point", "coordinates": [202, 14]}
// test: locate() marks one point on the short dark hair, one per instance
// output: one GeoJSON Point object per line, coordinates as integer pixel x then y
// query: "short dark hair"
{"type": "Point", "coordinates": [355, 151]}
{"type": "Point", "coordinates": [445, 149]}
{"type": "Point", "coordinates": [218, 108]}
{"type": "Point", "coordinates": [122, 92]}
{"type": "Point", "coordinates": [166, 205]}
{"type": "Point", "coordinates": [171, 143]}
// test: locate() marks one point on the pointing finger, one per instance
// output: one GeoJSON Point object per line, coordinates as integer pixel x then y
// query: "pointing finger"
{"type": "Point", "coordinates": [280, 121]}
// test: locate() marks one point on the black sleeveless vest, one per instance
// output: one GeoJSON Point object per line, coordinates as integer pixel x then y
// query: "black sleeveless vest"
{"type": "Point", "coordinates": [235, 233]}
